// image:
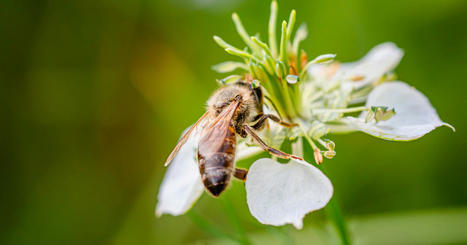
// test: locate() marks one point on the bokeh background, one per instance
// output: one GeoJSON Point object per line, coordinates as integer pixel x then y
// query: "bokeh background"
{"type": "Point", "coordinates": [94, 95]}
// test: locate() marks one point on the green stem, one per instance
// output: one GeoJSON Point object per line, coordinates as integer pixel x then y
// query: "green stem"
{"type": "Point", "coordinates": [334, 212]}
{"type": "Point", "coordinates": [332, 209]}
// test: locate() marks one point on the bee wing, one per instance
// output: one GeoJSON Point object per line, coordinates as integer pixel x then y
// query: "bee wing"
{"type": "Point", "coordinates": [181, 186]}
{"type": "Point", "coordinates": [215, 134]}
{"type": "Point", "coordinates": [198, 126]}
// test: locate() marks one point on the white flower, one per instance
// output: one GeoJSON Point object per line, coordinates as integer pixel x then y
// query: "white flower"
{"type": "Point", "coordinates": [314, 98]}
{"type": "Point", "coordinates": [279, 194]}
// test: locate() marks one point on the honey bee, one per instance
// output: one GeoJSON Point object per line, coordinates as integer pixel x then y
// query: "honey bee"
{"type": "Point", "coordinates": [234, 109]}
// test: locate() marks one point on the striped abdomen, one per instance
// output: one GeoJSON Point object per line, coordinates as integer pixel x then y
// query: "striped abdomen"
{"type": "Point", "coordinates": [216, 155]}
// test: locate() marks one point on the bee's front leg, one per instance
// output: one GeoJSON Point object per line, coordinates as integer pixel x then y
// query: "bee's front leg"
{"type": "Point", "coordinates": [265, 147]}
{"type": "Point", "coordinates": [262, 119]}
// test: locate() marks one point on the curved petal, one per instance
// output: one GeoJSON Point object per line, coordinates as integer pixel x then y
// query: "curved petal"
{"type": "Point", "coordinates": [379, 60]}
{"type": "Point", "coordinates": [414, 117]}
{"type": "Point", "coordinates": [182, 184]}
{"type": "Point", "coordinates": [279, 194]}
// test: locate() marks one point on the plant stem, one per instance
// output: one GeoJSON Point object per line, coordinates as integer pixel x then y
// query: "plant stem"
{"type": "Point", "coordinates": [335, 213]}
{"type": "Point", "coordinates": [332, 209]}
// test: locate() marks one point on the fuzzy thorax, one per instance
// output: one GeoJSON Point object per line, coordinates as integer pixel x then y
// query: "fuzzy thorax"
{"type": "Point", "coordinates": [249, 108]}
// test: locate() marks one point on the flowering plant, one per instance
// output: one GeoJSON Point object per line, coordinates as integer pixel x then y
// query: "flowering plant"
{"type": "Point", "coordinates": [321, 97]}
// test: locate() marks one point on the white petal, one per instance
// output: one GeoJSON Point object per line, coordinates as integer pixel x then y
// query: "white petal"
{"type": "Point", "coordinates": [379, 60]}
{"type": "Point", "coordinates": [182, 184]}
{"type": "Point", "coordinates": [279, 194]}
{"type": "Point", "coordinates": [414, 117]}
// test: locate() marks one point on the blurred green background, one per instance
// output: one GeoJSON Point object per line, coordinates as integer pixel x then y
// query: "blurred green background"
{"type": "Point", "coordinates": [95, 94]}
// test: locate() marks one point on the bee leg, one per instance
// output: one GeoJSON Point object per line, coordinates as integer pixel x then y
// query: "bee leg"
{"type": "Point", "coordinates": [262, 119]}
{"type": "Point", "coordinates": [240, 131]}
{"type": "Point", "coordinates": [240, 174]}
{"type": "Point", "coordinates": [265, 147]}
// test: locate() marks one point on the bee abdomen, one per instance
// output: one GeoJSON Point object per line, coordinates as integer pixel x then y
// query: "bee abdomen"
{"type": "Point", "coordinates": [216, 180]}
{"type": "Point", "coordinates": [216, 171]}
